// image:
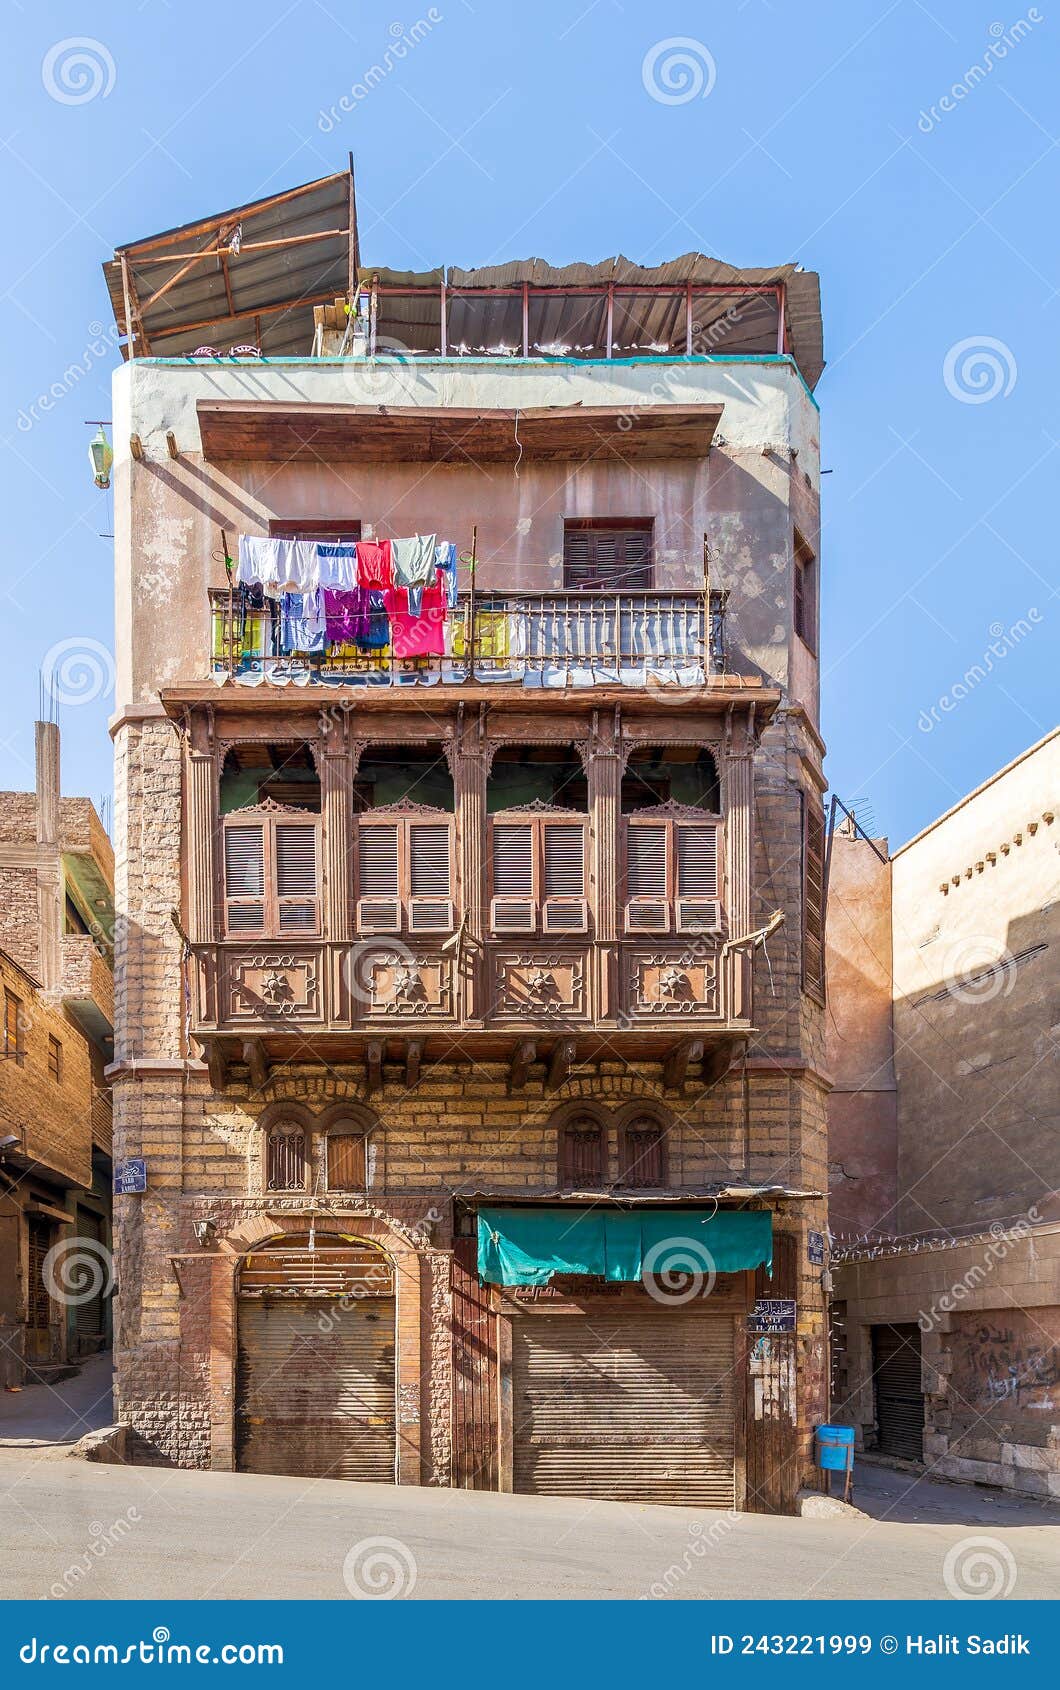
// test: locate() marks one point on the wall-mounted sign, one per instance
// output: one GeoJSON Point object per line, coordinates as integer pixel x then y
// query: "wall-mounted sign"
{"type": "Point", "coordinates": [130, 1175]}
{"type": "Point", "coordinates": [815, 1248]}
{"type": "Point", "coordinates": [772, 1314]}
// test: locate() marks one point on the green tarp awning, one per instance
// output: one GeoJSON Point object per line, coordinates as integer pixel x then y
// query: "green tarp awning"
{"type": "Point", "coordinates": [527, 1246]}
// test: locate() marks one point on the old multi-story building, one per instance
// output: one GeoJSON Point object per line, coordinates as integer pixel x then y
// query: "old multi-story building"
{"type": "Point", "coordinates": [57, 997]}
{"type": "Point", "coordinates": [944, 1170]}
{"type": "Point", "coordinates": [469, 972]}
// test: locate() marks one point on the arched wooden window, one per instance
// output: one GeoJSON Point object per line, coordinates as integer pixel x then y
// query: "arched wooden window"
{"type": "Point", "coordinates": [582, 1153]}
{"type": "Point", "coordinates": [346, 1157]}
{"type": "Point", "coordinates": [643, 1153]}
{"type": "Point", "coordinates": [285, 1157]}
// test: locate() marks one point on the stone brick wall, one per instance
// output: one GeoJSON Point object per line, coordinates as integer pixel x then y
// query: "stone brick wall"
{"type": "Point", "coordinates": [20, 918]}
{"type": "Point", "coordinates": [52, 1117]}
{"type": "Point", "coordinates": [991, 1352]}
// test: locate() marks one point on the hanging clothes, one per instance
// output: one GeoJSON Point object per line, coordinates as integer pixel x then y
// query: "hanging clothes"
{"type": "Point", "coordinates": [303, 628]}
{"type": "Point", "coordinates": [377, 635]}
{"type": "Point", "coordinates": [374, 566]}
{"type": "Point", "coordinates": [412, 560]}
{"type": "Point", "coordinates": [346, 615]}
{"type": "Point", "coordinates": [276, 566]}
{"type": "Point", "coordinates": [417, 636]}
{"type": "Point", "coordinates": [337, 567]}
{"type": "Point", "coordinates": [446, 563]}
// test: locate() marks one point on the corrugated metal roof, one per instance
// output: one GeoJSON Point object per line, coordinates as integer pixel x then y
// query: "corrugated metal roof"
{"type": "Point", "coordinates": [248, 294]}
{"type": "Point", "coordinates": [267, 297]}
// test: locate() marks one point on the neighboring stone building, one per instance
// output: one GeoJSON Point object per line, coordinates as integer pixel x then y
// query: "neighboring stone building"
{"type": "Point", "coordinates": [56, 973]}
{"type": "Point", "coordinates": [432, 980]}
{"type": "Point", "coordinates": [944, 1134]}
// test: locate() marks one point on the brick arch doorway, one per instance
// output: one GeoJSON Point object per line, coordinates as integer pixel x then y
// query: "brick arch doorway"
{"type": "Point", "coordinates": [316, 1365]}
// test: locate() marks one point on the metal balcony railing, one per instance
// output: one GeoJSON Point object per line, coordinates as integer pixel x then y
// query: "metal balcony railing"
{"type": "Point", "coordinates": [633, 638]}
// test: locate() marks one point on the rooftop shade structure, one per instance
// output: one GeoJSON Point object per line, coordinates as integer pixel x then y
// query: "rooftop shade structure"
{"type": "Point", "coordinates": [250, 277]}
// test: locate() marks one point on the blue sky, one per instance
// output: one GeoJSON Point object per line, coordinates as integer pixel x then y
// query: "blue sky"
{"type": "Point", "coordinates": [830, 135]}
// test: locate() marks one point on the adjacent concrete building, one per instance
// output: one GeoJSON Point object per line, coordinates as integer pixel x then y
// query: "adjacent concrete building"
{"type": "Point", "coordinates": [56, 941]}
{"type": "Point", "coordinates": [424, 962]}
{"type": "Point", "coordinates": [943, 1133]}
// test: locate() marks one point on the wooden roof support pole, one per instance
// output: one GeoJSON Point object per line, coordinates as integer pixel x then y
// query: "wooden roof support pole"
{"type": "Point", "coordinates": [126, 294]}
{"type": "Point", "coordinates": [526, 319]}
{"type": "Point", "coordinates": [782, 311]}
{"type": "Point", "coordinates": [560, 1063]}
{"type": "Point", "coordinates": [211, 251]}
{"type": "Point", "coordinates": [413, 1058]}
{"type": "Point", "coordinates": [688, 318]}
{"type": "Point", "coordinates": [675, 1068]}
{"type": "Point", "coordinates": [257, 1063]}
{"type": "Point", "coordinates": [373, 1062]}
{"type": "Point", "coordinates": [354, 260]}
{"type": "Point", "coordinates": [524, 1055]}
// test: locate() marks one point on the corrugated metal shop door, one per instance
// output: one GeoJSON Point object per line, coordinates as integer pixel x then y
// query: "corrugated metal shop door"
{"type": "Point", "coordinates": [899, 1397]}
{"type": "Point", "coordinates": [629, 1408]}
{"type": "Point", "coordinates": [90, 1316]}
{"type": "Point", "coordinates": [315, 1387]}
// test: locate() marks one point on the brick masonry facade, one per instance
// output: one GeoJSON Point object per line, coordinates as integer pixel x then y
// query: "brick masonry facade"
{"type": "Point", "coordinates": [457, 1131]}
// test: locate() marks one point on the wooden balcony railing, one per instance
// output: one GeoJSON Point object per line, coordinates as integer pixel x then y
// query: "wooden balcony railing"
{"type": "Point", "coordinates": [535, 640]}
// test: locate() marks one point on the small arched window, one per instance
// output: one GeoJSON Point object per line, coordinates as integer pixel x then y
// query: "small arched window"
{"type": "Point", "coordinates": [643, 1153]}
{"type": "Point", "coordinates": [346, 1157]}
{"type": "Point", "coordinates": [582, 1153]}
{"type": "Point", "coordinates": [286, 1159]}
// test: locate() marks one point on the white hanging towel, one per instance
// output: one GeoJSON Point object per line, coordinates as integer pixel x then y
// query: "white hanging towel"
{"type": "Point", "coordinates": [277, 566]}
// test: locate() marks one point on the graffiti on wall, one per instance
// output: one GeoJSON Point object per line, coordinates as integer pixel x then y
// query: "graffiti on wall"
{"type": "Point", "coordinates": [1009, 1360]}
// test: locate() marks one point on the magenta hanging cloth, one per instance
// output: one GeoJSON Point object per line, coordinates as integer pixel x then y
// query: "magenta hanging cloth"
{"type": "Point", "coordinates": [346, 615]}
{"type": "Point", "coordinates": [417, 636]}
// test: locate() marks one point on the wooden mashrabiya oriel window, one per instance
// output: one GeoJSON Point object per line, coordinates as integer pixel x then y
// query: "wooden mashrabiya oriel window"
{"type": "Point", "coordinates": [673, 870]}
{"type": "Point", "coordinates": [405, 870]}
{"type": "Point", "coordinates": [271, 872]}
{"type": "Point", "coordinates": [537, 871]}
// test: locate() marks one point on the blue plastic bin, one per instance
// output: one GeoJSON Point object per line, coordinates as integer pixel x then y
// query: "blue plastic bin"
{"type": "Point", "coordinates": [835, 1448]}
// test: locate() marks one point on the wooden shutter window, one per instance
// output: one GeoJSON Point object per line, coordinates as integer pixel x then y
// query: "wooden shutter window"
{"type": "Point", "coordinates": [347, 1161]}
{"type": "Point", "coordinates": [286, 1154]}
{"type": "Point", "coordinates": [296, 876]}
{"type": "Point", "coordinates": [513, 909]}
{"type": "Point", "coordinates": [245, 878]}
{"type": "Point", "coordinates": [647, 877]}
{"type": "Point", "coordinates": [813, 847]}
{"type": "Point", "coordinates": [698, 903]}
{"type": "Point", "coordinates": [643, 1154]}
{"type": "Point", "coordinates": [378, 879]}
{"type": "Point", "coordinates": [581, 1154]}
{"type": "Point", "coordinates": [430, 902]}
{"type": "Point", "coordinates": [563, 908]}
{"type": "Point", "coordinates": [607, 556]}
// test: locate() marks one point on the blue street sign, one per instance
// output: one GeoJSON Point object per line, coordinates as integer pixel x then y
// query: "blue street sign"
{"type": "Point", "coordinates": [772, 1314]}
{"type": "Point", "coordinates": [130, 1175]}
{"type": "Point", "coordinates": [815, 1248]}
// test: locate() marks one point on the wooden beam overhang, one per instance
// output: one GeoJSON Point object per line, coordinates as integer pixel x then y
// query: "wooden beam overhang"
{"type": "Point", "coordinates": [413, 1058]}
{"type": "Point", "coordinates": [678, 1061]}
{"type": "Point", "coordinates": [262, 431]}
{"type": "Point", "coordinates": [257, 1061]}
{"type": "Point", "coordinates": [560, 1063]}
{"type": "Point", "coordinates": [373, 1062]}
{"type": "Point", "coordinates": [523, 1057]}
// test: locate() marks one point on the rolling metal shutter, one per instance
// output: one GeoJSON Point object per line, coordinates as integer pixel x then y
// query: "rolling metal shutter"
{"type": "Point", "coordinates": [625, 1407]}
{"type": "Point", "coordinates": [315, 1388]}
{"type": "Point", "coordinates": [899, 1396]}
{"type": "Point", "coordinates": [89, 1316]}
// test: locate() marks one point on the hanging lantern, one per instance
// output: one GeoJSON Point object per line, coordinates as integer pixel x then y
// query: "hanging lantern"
{"type": "Point", "coordinates": [100, 456]}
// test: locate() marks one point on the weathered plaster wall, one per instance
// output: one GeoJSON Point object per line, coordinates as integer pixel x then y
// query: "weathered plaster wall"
{"type": "Point", "coordinates": [168, 512]}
